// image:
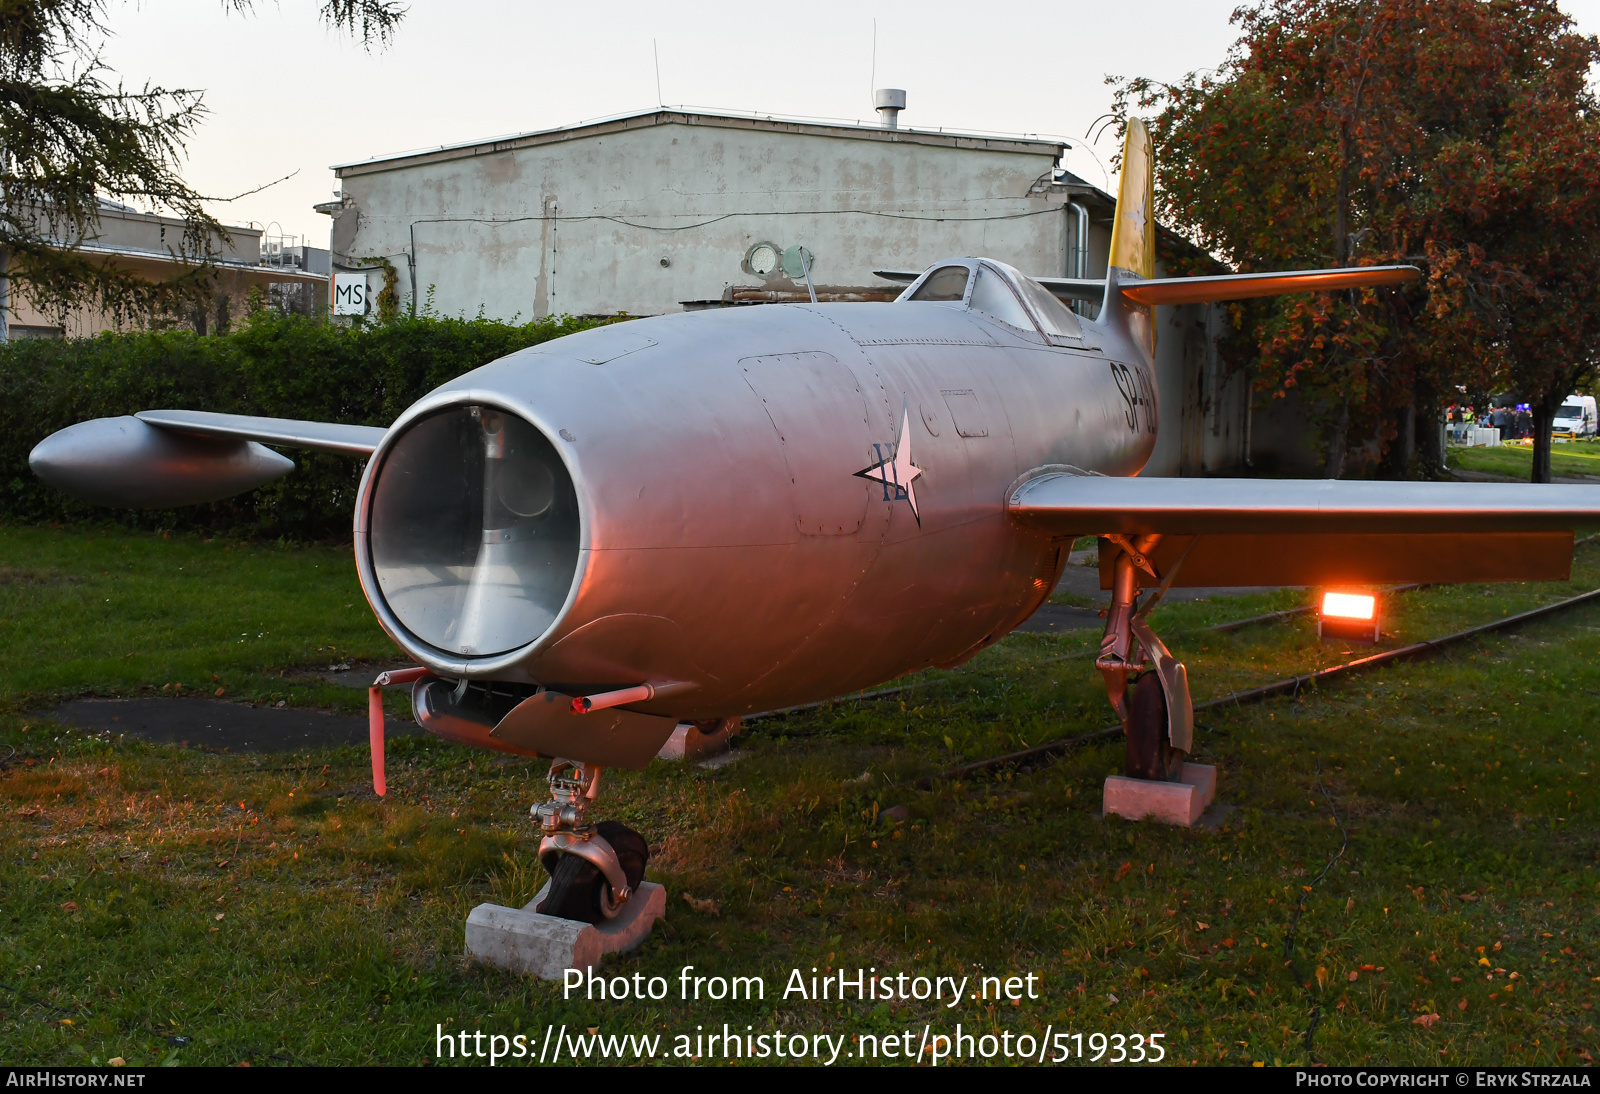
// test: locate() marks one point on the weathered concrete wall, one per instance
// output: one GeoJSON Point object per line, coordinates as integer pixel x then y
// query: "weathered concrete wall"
{"type": "Point", "coordinates": [648, 218]}
{"type": "Point", "coordinates": [1203, 409]}
{"type": "Point", "coordinates": [656, 213]}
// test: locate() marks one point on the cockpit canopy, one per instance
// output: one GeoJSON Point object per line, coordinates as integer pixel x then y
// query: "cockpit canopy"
{"type": "Point", "coordinates": [1001, 293]}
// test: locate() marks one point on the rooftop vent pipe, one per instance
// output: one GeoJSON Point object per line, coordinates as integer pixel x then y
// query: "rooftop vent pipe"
{"type": "Point", "coordinates": [888, 102]}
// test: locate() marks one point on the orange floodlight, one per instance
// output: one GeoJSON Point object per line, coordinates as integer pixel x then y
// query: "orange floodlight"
{"type": "Point", "coordinates": [1349, 616]}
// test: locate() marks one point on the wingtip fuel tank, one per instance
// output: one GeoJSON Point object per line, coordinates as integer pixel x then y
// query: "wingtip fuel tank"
{"type": "Point", "coordinates": [126, 463]}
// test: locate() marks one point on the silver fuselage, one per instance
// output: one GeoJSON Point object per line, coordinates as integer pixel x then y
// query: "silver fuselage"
{"type": "Point", "coordinates": [727, 540]}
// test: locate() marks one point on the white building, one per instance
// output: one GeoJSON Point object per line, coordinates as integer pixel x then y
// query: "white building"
{"type": "Point", "coordinates": [669, 210]}
{"type": "Point", "coordinates": [153, 247]}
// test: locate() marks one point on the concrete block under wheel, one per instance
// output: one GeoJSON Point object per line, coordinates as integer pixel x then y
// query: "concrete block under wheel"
{"type": "Point", "coordinates": [522, 940]}
{"type": "Point", "coordinates": [1179, 802]}
{"type": "Point", "coordinates": [688, 743]}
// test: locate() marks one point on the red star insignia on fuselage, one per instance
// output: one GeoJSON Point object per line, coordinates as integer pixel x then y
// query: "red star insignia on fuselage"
{"type": "Point", "coordinates": [894, 468]}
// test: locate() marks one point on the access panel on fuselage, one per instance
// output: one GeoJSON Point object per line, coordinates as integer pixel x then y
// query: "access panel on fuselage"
{"type": "Point", "coordinates": [819, 414]}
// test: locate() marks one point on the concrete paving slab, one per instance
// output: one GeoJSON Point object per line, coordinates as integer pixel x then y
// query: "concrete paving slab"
{"type": "Point", "coordinates": [1084, 581]}
{"type": "Point", "coordinates": [1055, 618]}
{"type": "Point", "coordinates": [219, 725]}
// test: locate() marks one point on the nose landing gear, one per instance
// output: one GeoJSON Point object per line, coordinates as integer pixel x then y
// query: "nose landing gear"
{"type": "Point", "coordinates": [597, 901]}
{"type": "Point", "coordinates": [594, 868]}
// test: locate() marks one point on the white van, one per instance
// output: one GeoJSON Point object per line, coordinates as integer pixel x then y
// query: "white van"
{"type": "Point", "coordinates": [1576, 417]}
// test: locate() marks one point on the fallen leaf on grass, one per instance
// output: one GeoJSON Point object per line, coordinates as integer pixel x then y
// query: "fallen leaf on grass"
{"type": "Point", "coordinates": [704, 907]}
{"type": "Point", "coordinates": [1426, 1021]}
{"type": "Point", "coordinates": [70, 906]}
{"type": "Point", "coordinates": [1322, 977]}
{"type": "Point", "coordinates": [1470, 898]}
{"type": "Point", "coordinates": [1124, 870]}
{"type": "Point", "coordinates": [1461, 1005]}
{"type": "Point", "coordinates": [1354, 976]}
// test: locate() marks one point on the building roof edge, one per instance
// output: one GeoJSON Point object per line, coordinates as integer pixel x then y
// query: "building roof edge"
{"type": "Point", "coordinates": [697, 116]}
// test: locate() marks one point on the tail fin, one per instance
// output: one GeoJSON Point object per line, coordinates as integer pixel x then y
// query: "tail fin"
{"type": "Point", "coordinates": [1133, 234]}
{"type": "Point", "coordinates": [1133, 238]}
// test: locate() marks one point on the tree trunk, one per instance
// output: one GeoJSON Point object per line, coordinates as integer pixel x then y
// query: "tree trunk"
{"type": "Point", "coordinates": [1429, 436]}
{"type": "Point", "coordinates": [1338, 443]}
{"type": "Point", "coordinates": [1544, 413]}
{"type": "Point", "coordinates": [1405, 442]}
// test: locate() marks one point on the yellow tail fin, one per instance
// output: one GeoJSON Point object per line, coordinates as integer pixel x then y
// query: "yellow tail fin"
{"type": "Point", "coordinates": [1133, 235]}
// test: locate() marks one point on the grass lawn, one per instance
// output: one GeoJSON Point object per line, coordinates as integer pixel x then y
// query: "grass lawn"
{"type": "Point", "coordinates": [171, 905]}
{"type": "Point", "coordinates": [1572, 458]}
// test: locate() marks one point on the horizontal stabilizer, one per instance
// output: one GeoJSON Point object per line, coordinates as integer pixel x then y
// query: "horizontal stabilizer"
{"type": "Point", "coordinates": [360, 440]}
{"type": "Point", "coordinates": [1075, 288]}
{"type": "Point", "coordinates": [1206, 290]}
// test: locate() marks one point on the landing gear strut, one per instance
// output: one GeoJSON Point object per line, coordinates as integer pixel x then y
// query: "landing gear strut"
{"type": "Point", "coordinates": [594, 868]}
{"type": "Point", "coordinates": [1158, 721]}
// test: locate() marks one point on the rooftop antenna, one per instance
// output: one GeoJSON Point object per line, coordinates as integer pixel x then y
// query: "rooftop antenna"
{"type": "Point", "coordinates": [872, 84]}
{"type": "Point", "coordinates": [656, 50]}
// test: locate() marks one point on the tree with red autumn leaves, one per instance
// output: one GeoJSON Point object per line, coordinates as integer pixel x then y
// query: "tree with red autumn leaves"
{"type": "Point", "coordinates": [1458, 135]}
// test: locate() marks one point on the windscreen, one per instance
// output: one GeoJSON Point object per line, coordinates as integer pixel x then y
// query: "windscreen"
{"type": "Point", "coordinates": [1570, 410]}
{"type": "Point", "coordinates": [1054, 316]}
{"type": "Point", "coordinates": [948, 283]}
{"type": "Point", "coordinates": [474, 531]}
{"type": "Point", "coordinates": [991, 296]}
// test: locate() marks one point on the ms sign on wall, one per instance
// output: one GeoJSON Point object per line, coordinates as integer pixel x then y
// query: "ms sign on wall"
{"type": "Point", "coordinates": [349, 294]}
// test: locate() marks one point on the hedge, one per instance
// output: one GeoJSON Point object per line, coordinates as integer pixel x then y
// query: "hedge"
{"type": "Point", "coordinates": [277, 366]}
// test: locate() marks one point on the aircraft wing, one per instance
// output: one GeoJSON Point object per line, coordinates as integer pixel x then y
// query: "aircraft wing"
{"type": "Point", "coordinates": [359, 440]}
{"type": "Point", "coordinates": [161, 459]}
{"type": "Point", "coordinates": [1321, 531]}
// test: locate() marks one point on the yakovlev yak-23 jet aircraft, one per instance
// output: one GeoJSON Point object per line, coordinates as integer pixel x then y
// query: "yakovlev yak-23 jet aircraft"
{"type": "Point", "coordinates": [698, 516]}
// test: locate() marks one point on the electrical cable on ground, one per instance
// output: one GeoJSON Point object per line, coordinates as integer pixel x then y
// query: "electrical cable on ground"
{"type": "Point", "coordinates": [1231, 625]}
{"type": "Point", "coordinates": [1291, 686]}
{"type": "Point", "coordinates": [1300, 907]}
{"type": "Point", "coordinates": [36, 1001]}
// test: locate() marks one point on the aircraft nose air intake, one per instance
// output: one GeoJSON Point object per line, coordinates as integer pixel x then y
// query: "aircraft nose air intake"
{"type": "Point", "coordinates": [473, 531]}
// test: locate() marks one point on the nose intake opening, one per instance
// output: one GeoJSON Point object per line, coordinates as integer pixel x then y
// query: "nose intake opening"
{"type": "Point", "coordinates": [474, 531]}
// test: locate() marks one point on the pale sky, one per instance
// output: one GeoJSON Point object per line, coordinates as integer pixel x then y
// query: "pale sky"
{"type": "Point", "coordinates": [286, 94]}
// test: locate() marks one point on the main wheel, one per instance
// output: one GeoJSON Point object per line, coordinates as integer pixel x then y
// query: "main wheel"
{"type": "Point", "coordinates": [578, 890]}
{"type": "Point", "coordinates": [1150, 751]}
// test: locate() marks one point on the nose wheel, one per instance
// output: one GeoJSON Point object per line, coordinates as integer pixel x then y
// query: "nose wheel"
{"type": "Point", "coordinates": [595, 868]}
{"type": "Point", "coordinates": [1157, 713]}
{"type": "Point", "coordinates": [1150, 751]}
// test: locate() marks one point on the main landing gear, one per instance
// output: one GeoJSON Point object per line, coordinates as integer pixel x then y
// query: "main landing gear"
{"type": "Point", "coordinates": [594, 868]}
{"type": "Point", "coordinates": [1158, 718]}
